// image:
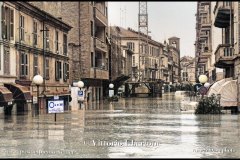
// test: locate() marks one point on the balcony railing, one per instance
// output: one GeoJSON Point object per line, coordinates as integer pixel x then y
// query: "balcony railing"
{"type": "Point", "coordinates": [100, 45]}
{"type": "Point", "coordinates": [222, 13]}
{"type": "Point", "coordinates": [99, 73]}
{"type": "Point", "coordinates": [206, 24]}
{"type": "Point", "coordinates": [224, 55]}
{"type": "Point", "coordinates": [153, 67]}
{"type": "Point", "coordinates": [100, 16]}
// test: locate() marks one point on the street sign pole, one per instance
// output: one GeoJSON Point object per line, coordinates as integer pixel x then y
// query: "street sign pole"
{"type": "Point", "coordinates": [55, 118]}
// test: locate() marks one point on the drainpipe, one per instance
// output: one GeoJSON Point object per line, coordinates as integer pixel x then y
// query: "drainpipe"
{"type": "Point", "coordinates": [79, 40]}
{"type": "Point", "coordinates": [44, 58]}
{"type": "Point", "coordinates": [230, 28]}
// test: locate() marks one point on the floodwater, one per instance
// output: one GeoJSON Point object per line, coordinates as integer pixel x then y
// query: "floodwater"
{"type": "Point", "coordinates": [129, 128]}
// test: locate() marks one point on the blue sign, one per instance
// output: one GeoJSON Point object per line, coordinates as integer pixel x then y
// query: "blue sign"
{"type": "Point", "coordinates": [80, 93]}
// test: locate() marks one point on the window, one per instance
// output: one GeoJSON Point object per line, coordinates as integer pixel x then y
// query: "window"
{"type": "Point", "coordinates": [92, 59]}
{"type": "Point", "coordinates": [65, 71]}
{"type": "Point", "coordinates": [131, 46]}
{"type": "Point", "coordinates": [21, 27]}
{"type": "Point", "coordinates": [106, 11]}
{"type": "Point", "coordinates": [47, 38]}
{"type": "Point", "coordinates": [11, 24]}
{"type": "Point", "coordinates": [7, 23]}
{"type": "Point", "coordinates": [56, 42]}
{"type": "Point", "coordinates": [23, 64]}
{"type": "Point", "coordinates": [58, 70]}
{"type": "Point", "coordinates": [227, 3]}
{"type": "Point", "coordinates": [146, 49]}
{"type": "Point", "coordinates": [6, 66]}
{"type": "Point", "coordinates": [35, 64]}
{"type": "Point", "coordinates": [3, 23]}
{"type": "Point", "coordinates": [106, 67]}
{"type": "Point", "coordinates": [64, 44]}
{"type": "Point", "coordinates": [133, 60]}
{"type": "Point", "coordinates": [92, 28]}
{"type": "Point", "coordinates": [141, 48]}
{"type": "Point", "coordinates": [47, 68]}
{"type": "Point", "coordinates": [35, 36]}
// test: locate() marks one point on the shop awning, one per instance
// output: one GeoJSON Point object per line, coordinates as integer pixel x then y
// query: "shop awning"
{"type": "Point", "coordinates": [6, 96]}
{"type": "Point", "coordinates": [20, 93]}
{"type": "Point", "coordinates": [228, 94]}
{"type": "Point", "coordinates": [214, 89]}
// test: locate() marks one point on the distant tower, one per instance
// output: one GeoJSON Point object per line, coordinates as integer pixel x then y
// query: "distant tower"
{"type": "Point", "coordinates": [143, 28]}
{"type": "Point", "coordinates": [175, 42]}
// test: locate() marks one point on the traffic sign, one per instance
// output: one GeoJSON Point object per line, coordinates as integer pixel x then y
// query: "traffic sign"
{"type": "Point", "coordinates": [55, 106]}
{"type": "Point", "coordinates": [111, 93]}
{"type": "Point", "coordinates": [80, 93]}
{"type": "Point", "coordinates": [203, 90]}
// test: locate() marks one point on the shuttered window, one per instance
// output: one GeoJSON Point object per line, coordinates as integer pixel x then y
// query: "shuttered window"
{"type": "Point", "coordinates": [21, 27]}
{"type": "Point", "coordinates": [58, 70]}
{"type": "Point", "coordinates": [23, 64]}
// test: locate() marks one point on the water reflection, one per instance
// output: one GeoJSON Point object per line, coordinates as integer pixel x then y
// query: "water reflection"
{"type": "Point", "coordinates": [132, 127]}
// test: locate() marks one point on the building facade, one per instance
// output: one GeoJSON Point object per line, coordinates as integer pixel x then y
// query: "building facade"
{"type": "Point", "coordinates": [187, 69]}
{"type": "Point", "coordinates": [227, 56]}
{"type": "Point", "coordinates": [120, 59]}
{"type": "Point", "coordinates": [36, 42]}
{"type": "Point", "coordinates": [174, 59]}
{"type": "Point", "coordinates": [208, 38]}
{"type": "Point", "coordinates": [88, 42]}
{"type": "Point", "coordinates": [147, 67]}
{"type": "Point", "coordinates": [217, 40]}
{"type": "Point", "coordinates": [166, 65]}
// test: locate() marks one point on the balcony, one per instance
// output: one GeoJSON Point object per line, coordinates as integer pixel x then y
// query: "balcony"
{"type": "Point", "coordinates": [165, 71]}
{"type": "Point", "coordinates": [101, 19]}
{"type": "Point", "coordinates": [222, 14]}
{"type": "Point", "coordinates": [170, 62]}
{"type": "Point", "coordinates": [205, 2]}
{"type": "Point", "coordinates": [98, 73]}
{"type": "Point", "coordinates": [203, 35]}
{"type": "Point", "coordinates": [202, 60]}
{"type": "Point", "coordinates": [100, 45]}
{"type": "Point", "coordinates": [153, 67]}
{"type": "Point", "coordinates": [205, 54]}
{"type": "Point", "coordinates": [135, 65]}
{"type": "Point", "coordinates": [224, 56]}
{"type": "Point", "coordinates": [206, 25]}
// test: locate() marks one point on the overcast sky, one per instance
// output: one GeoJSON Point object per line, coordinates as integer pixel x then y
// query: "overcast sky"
{"type": "Point", "coordinates": [165, 19]}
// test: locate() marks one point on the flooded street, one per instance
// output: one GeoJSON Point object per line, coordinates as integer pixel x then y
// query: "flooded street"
{"type": "Point", "coordinates": [129, 128]}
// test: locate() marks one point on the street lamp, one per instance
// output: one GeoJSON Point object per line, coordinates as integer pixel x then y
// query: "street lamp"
{"type": "Point", "coordinates": [203, 78]}
{"type": "Point", "coordinates": [38, 80]}
{"type": "Point", "coordinates": [80, 85]}
{"type": "Point", "coordinates": [111, 85]}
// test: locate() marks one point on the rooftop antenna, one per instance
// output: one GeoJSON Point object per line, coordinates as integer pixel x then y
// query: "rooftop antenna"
{"type": "Point", "coordinates": [125, 16]}
{"type": "Point", "coordinates": [120, 14]}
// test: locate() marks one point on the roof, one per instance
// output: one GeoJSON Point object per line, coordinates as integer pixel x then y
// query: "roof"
{"type": "Point", "coordinates": [37, 12]}
{"type": "Point", "coordinates": [129, 33]}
